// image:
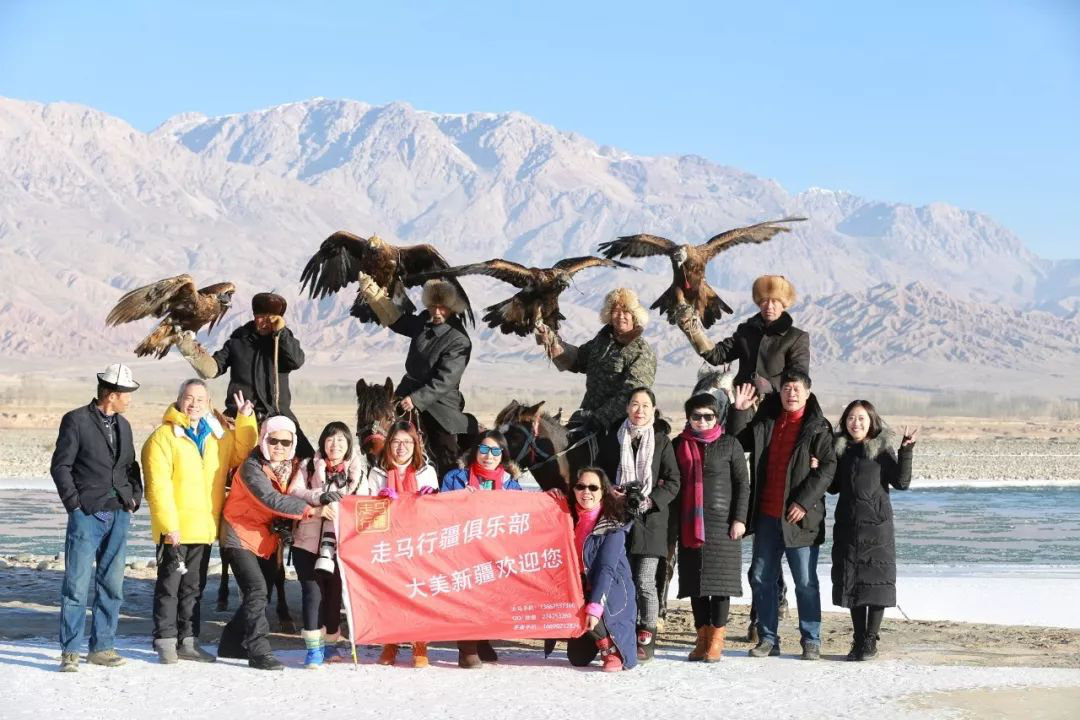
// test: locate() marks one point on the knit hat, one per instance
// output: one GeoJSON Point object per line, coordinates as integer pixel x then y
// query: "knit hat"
{"type": "Point", "coordinates": [441, 292]}
{"type": "Point", "coordinates": [629, 300]}
{"type": "Point", "coordinates": [273, 424]}
{"type": "Point", "coordinates": [266, 303]}
{"type": "Point", "coordinates": [777, 287]}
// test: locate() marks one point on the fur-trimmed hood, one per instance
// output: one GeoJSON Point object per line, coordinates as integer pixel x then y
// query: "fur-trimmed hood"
{"type": "Point", "coordinates": [872, 447]}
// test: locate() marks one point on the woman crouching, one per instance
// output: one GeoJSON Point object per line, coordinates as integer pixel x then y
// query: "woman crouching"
{"type": "Point", "coordinates": [402, 471]}
{"type": "Point", "coordinates": [259, 495]}
{"type": "Point", "coordinates": [600, 531]}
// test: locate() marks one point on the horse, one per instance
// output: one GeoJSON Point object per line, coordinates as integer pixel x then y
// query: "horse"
{"type": "Point", "coordinates": [538, 442]}
{"type": "Point", "coordinates": [375, 413]}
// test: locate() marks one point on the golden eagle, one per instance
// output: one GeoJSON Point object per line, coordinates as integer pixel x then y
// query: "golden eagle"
{"type": "Point", "coordinates": [538, 301]}
{"type": "Point", "coordinates": [178, 303]}
{"type": "Point", "coordinates": [688, 265]}
{"type": "Point", "coordinates": [343, 256]}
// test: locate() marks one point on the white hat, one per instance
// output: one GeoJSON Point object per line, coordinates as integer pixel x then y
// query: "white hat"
{"type": "Point", "coordinates": [118, 377]}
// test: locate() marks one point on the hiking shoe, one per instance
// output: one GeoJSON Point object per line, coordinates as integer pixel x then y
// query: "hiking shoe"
{"type": "Point", "coordinates": [752, 635]}
{"type": "Point", "coordinates": [265, 662]}
{"type": "Point", "coordinates": [69, 662]}
{"type": "Point", "coordinates": [764, 649]}
{"type": "Point", "coordinates": [166, 651]}
{"type": "Point", "coordinates": [106, 658]}
{"type": "Point", "coordinates": [486, 652]}
{"type": "Point", "coordinates": [869, 648]}
{"type": "Point", "coordinates": [468, 657]}
{"type": "Point", "coordinates": [811, 651]}
{"type": "Point", "coordinates": [189, 649]}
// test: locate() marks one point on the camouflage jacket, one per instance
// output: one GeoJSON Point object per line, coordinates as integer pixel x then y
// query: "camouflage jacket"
{"type": "Point", "coordinates": [611, 371]}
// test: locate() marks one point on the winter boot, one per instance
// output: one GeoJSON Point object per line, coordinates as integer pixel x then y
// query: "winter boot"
{"type": "Point", "coordinates": [715, 649]}
{"type": "Point", "coordinates": [609, 655]}
{"type": "Point", "coordinates": [265, 662]}
{"type": "Point", "coordinates": [388, 656]}
{"type": "Point", "coordinates": [646, 644]}
{"type": "Point", "coordinates": [189, 650]}
{"type": "Point", "coordinates": [764, 648]}
{"type": "Point", "coordinates": [869, 648]}
{"type": "Point", "coordinates": [467, 656]}
{"type": "Point", "coordinates": [108, 658]}
{"type": "Point", "coordinates": [698, 653]}
{"type": "Point", "coordinates": [166, 651]}
{"type": "Point", "coordinates": [856, 652]}
{"type": "Point", "coordinates": [331, 652]}
{"type": "Point", "coordinates": [313, 641]}
{"type": "Point", "coordinates": [69, 662]}
{"type": "Point", "coordinates": [419, 655]}
{"type": "Point", "coordinates": [486, 652]}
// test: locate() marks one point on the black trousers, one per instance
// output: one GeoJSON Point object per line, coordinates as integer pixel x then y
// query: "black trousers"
{"type": "Point", "coordinates": [442, 446]}
{"type": "Point", "coordinates": [582, 650]}
{"type": "Point", "coordinates": [177, 597]}
{"type": "Point", "coordinates": [320, 590]}
{"type": "Point", "coordinates": [866, 620]}
{"type": "Point", "coordinates": [249, 628]}
{"type": "Point", "coordinates": [710, 610]}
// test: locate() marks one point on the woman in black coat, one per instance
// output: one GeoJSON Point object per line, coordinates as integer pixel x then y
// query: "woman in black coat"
{"type": "Point", "coordinates": [864, 547]}
{"type": "Point", "coordinates": [713, 498]}
{"type": "Point", "coordinates": [641, 459]}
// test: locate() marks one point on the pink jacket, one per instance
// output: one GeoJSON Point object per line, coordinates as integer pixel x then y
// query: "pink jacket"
{"type": "Point", "coordinates": [310, 485]}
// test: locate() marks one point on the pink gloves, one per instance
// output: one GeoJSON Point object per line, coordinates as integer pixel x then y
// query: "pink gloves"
{"type": "Point", "coordinates": [426, 490]}
{"type": "Point", "coordinates": [388, 493]}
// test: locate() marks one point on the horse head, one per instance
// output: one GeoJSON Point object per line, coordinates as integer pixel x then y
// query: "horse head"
{"type": "Point", "coordinates": [374, 414]}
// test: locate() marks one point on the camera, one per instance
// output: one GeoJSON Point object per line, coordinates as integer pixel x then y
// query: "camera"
{"type": "Point", "coordinates": [635, 497]}
{"type": "Point", "coordinates": [327, 550]}
{"type": "Point", "coordinates": [282, 527]}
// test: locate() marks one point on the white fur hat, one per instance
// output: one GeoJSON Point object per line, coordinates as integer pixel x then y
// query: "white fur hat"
{"type": "Point", "coordinates": [629, 300]}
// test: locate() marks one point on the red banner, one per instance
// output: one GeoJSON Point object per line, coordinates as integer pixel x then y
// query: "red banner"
{"type": "Point", "coordinates": [496, 564]}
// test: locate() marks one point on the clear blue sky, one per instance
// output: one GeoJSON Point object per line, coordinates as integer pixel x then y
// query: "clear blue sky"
{"type": "Point", "coordinates": [971, 103]}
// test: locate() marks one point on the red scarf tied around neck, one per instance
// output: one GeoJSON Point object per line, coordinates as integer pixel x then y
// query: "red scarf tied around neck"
{"type": "Point", "coordinates": [478, 474]}
{"type": "Point", "coordinates": [693, 487]}
{"type": "Point", "coordinates": [400, 482]}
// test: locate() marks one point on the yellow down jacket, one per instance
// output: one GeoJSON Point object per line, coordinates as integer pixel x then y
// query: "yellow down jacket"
{"type": "Point", "coordinates": [186, 491]}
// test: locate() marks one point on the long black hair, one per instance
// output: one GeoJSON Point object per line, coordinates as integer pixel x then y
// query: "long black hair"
{"type": "Point", "coordinates": [612, 507]}
{"type": "Point", "coordinates": [499, 439]}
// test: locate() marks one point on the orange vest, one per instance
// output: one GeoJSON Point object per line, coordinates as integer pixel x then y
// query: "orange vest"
{"type": "Point", "coordinates": [250, 519]}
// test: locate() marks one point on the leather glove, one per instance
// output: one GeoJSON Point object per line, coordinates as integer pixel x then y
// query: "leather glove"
{"type": "Point", "coordinates": [330, 496]}
{"type": "Point", "coordinates": [368, 287]}
{"type": "Point", "coordinates": [428, 490]}
{"type": "Point", "coordinates": [278, 323]}
{"type": "Point", "coordinates": [388, 493]}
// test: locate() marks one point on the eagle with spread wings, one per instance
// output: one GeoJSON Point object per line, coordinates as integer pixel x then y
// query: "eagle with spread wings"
{"type": "Point", "coordinates": [178, 303]}
{"type": "Point", "coordinates": [538, 299]}
{"type": "Point", "coordinates": [343, 256]}
{"type": "Point", "coordinates": [688, 284]}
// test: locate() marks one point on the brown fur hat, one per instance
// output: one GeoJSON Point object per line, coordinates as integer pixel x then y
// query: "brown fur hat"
{"type": "Point", "coordinates": [266, 303]}
{"type": "Point", "coordinates": [629, 300]}
{"type": "Point", "coordinates": [774, 286]}
{"type": "Point", "coordinates": [440, 292]}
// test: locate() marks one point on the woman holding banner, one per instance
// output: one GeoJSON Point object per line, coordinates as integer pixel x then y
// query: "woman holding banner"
{"type": "Point", "coordinates": [402, 470]}
{"type": "Point", "coordinates": [600, 532]}
{"type": "Point", "coordinates": [334, 467]}
{"type": "Point", "coordinates": [484, 467]}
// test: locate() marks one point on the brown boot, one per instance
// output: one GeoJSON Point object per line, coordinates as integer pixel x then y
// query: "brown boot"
{"type": "Point", "coordinates": [715, 650]}
{"type": "Point", "coordinates": [467, 656]}
{"type": "Point", "coordinates": [419, 655]}
{"type": "Point", "coordinates": [698, 653]}
{"type": "Point", "coordinates": [388, 655]}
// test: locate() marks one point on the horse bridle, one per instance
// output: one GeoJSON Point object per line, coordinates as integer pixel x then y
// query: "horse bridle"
{"type": "Point", "coordinates": [530, 447]}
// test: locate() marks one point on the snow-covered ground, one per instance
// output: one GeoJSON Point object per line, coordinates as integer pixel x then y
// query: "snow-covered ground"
{"type": "Point", "coordinates": [522, 685]}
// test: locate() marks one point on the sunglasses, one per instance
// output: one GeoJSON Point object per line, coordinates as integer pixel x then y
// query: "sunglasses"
{"type": "Point", "coordinates": [591, 488]}
{"type": "Point", "coordinates": [487, 449]}
{"type": "Point", "coordinates": [277, 441]}
{"type": "Point", "coordinates": [707, 417]}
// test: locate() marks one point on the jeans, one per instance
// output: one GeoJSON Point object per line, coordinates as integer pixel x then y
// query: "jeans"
{"type": "Point", "coordinates": [765, 567]}
{"type": "Point", "coordinates": [177, 597]}
{"type": "Point", "coordinates": [89, 542]}
{"type": "Point", "coordinates": [248, 630]}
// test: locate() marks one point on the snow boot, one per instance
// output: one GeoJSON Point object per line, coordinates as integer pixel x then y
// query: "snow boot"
{"type": "Point", "coordinates": [486, 652]}
{"type": "Point", "coordinates": [609, 655]}
{"type": "Point", "coordinates": [646, 644]}
{"type": "Point", "coordinates": [313, 641]}
{"type": "Point", "coordinates": [189, 650]}
{"type": "Point", "coordinates": [388, 656]}
{"type": "Point", "coordinates": [715, 650]}
{"type": "Point", "coordinates": [265, 662]}
{"type": "Point", "coordinates": [698, 653]}
{"type": "Point", "coordinates": [419, 655]}
{"type": "Point", "coordinates": [869, 648]}
{"type": "Point", "coordinates": [166, 651]}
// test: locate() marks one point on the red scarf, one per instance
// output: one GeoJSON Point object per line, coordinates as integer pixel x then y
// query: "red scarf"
{"type": "Point", "coordinates": [693, 487]}
{"type": "Point", "coordinates": [402, 484]}
{"type": "Point", "coordinates": [494, 476]}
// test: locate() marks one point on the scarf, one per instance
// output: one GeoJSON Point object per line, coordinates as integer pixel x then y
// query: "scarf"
{"type": "Point", "coordinates": [636, 467]}
{"type": "Point", "coordinates": [479, 474]}
{"type": "Point", "coordinates": [586, 522]}
{"type": "Point", "coordinates": [279, 473]}
{"type": "Point", "coordinates": [693, 487]}
{"type": "Point", "coordinates": [402, 479]}
{"type": "Point", "coordinates": [199, 434]}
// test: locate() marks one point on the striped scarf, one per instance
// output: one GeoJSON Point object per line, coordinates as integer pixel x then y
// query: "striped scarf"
{"type": "Point", "coordinates": [689, 457]}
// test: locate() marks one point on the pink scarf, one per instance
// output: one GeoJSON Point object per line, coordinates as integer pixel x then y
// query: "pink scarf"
{"type": "Point", "coordinates": [586, 521]}
{"type": "Point", "coordinates": [693, 487]}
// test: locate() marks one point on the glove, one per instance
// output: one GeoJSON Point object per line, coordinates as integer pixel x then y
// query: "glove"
{"type": "Point", "coordinates": [330, 496]}
{"type": "Point", "coordinates": [278, 323]}
{"type": "Point", "coordinates": [428, 490]}
{"type": "Point", "coordinates": [388, 493]}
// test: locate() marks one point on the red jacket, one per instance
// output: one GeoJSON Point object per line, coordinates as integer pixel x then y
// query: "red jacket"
{"type": "Point", "coordinates": [781, 444]}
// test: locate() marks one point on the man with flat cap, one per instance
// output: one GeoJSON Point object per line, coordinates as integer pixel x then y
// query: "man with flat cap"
{"type": "Point", "coordinates": [98, 481]}
{"type": "Point", "coordinates": [259, 356]}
